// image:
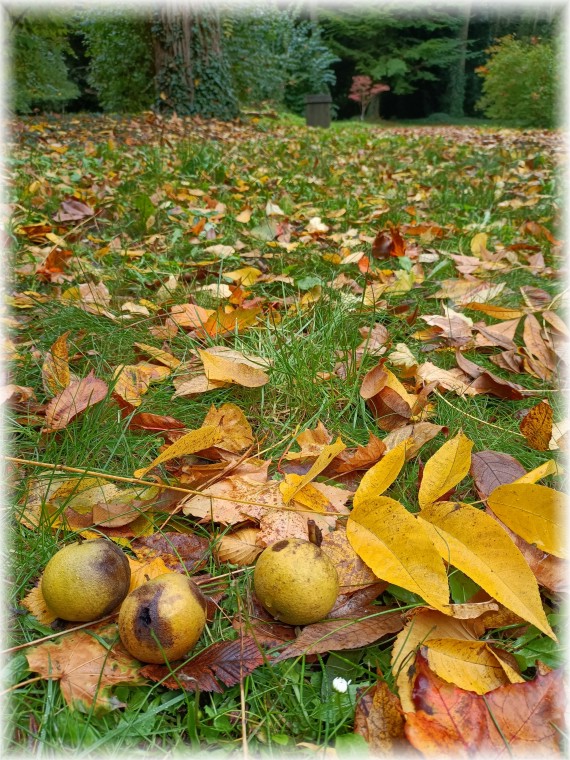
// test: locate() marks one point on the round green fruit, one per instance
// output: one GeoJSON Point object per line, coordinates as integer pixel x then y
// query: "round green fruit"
{"type": "Point", "coordinates": [86, 581]}
{"type": "Point", "coordinates": [295, 581]}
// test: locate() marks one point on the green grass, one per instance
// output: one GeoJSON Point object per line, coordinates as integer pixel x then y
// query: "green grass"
{"type": "Point", "coordinates": [456, 179]}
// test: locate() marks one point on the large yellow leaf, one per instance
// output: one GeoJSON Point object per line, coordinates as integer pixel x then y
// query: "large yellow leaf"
{"type": "Point", "coordinates": [382, 475]}
{"type": "Point", "coordinates": [471, 665]}
{"type": "Point", "coordinates": [290, 485]}
{"type": "Point", "coordinates": [533, 512]}
{"type": "Point", "coordinates": [549, 467]}
{"type": "Point", "coordinates": [445, 469]}
{"type": "Point", "coordinates": [397, 549]}
{"type": "Point", "coordinates": [196, 440]}
{"type": "Point", "coordinates": [226, 365]}
{"type": "Point", "coordinates": [473, 542]}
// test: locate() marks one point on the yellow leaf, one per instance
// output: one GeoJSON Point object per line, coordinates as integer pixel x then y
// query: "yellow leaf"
{"type": "Point", "coordinates": [226, 365]}
{"type": "Point", "coordinates": [533, 512]}
{"type": "Point", "coordinates": [382, 474]}
{"type": "Point", "coordinates": [479, 243]}
{"type": "Point", "coordinates": [289, 488]}
{"type": "Point", "coordinates": [133, 380]}
{"type": "Point", "coordinates": [309, 496]}
{"type": "Point", "coordinates": [161, 356]}
{"type": "Point", "coordinates": [425, 624]}
{"type": "Point", "coordinates": [397, 549]}
{"type": "Point", "coordinates": [244, 216]}
{"type": "Point", "coordinates": [143, 570]}
{"type": "Point", "coordinates": [445, 469]}
{"type": "Point", "coordinates": [35, 603]}
{"type": "Point", "coordinates": [55, 369]}
{"type": "Point", "coordinates": [473, 542]}
{"type": "Point", "coordinates": [542, 471]}
{"type": "Point", "coordinates": [471, 665]}
{"type": "Point", "coordinates": [195, 440]}
{"type": "Point", "coordinates": [245, 276]}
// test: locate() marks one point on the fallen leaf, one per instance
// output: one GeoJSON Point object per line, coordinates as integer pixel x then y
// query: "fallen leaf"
{"type": "Point", "coordinates": [240, 548]}
{"type": "Point", "coordinates": [527, 718]}
{"type": "Point", "coordinates": [361, 458]}
{"type": "Point", "coordinates": [536, 426]}
{"type": "Point", "coordinates": [381, 476]}
{"type": "Point", "coordinates": [397, 549]}
{"type": "Point", "coordinates": [534, 512]}
{"type": "Point", "coordinates": [353, 572]}
{"type": "Point", "coordinates": [342, 634]}
{"type": "Point", "coordinates": [85, 669]}
{"type": "Point", "coordinates": [73, 210]}
{"type": "Point", "coordinates": [445, 469]}
{"type": "Point", "coordinates": [226, 365]}
{"type": "Point", "coordinates": [155, 422]}
{"type": "Point", "coordinates": [143, 570]}
{"type": "Point", "coordinates": [190, 315]}
{"type": "Point", "coordinates": [35, 603]}
{"type": "Point", "coordinates": [194, 441]}
{"type": "Point", "coordinates": [292, 484]}
{"type": "Point", "coordinates": [160, 356]}
{"type": "Point", "coordinates": [75, 399]}
{"type": "Point", "coordinates": [235, 431]}
{"type": "Point", "coordinates": [490, 469]}
{"type": "Point", "coordinates": [428, 374]}
{"type": "Point", "coordinates": [474, 543]}
{"type": "Point", "coordinates": [379, 720]}
{"type": "Point", "coordinates": [312, 442]}
{"type": "Point", "coordinates": [542, 471]}
{"type": "Point", "coordinates": [133, 380]}
{"type": "Point", "coordinates": [486, 382]}
{"type": "Point", "coordinates": [540, 359]}
{"type": "Point", "coordinates": [55, 369]}
{"type": "Point", "coordinates": [417, 434]}
{"type": "Point", "coordinates": [223, 664]}
{"type": "Point", "coordinates": [181, 552]}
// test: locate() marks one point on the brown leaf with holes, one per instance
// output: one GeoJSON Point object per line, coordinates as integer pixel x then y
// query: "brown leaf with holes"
{"type": "Point", "coordinates": [75, 399]}
{"type": "Point", "coordinates": [378, 718]}
{"type": "Point", "coordinates": [491, 469]}
{"type": "Point", "coordinates": [85, 669]}
{"type": "Point", "coordinates": [536, 426]}
{"type": "Point", "coordinates": [223, 664]}
{"type": "Point", "coordinates": [527, 718]}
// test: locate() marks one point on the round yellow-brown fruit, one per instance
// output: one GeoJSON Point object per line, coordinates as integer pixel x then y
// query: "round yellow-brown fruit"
{"type": "Point", "coordinates": [162, 619]}
{"type": "Point", "coordinates": [86, 581]}
{"type": "Point", "coordinates": [295, 581]}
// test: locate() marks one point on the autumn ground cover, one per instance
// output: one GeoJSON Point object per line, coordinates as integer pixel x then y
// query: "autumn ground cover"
{"type": "Point", "coordinates": [223, 335]}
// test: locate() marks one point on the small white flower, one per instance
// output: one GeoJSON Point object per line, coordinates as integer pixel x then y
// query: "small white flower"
{"type": "Point", "coordinates": [340, 685]}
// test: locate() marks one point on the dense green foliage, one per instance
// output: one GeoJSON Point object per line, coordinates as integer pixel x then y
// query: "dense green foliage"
{"type": "Point", "coordinates": [119, 47]}
{"type": "Point", "coordinates": [276, 57]}
{"type": "Point", "coordinates": [521, 82]}
{"type": "Point", "coordinates": [39, 73]}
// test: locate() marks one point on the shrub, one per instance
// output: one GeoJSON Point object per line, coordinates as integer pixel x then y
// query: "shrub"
{"type": "Point", "coordinates": [39, 74]}
{"type": "Point", "coordinates": [520, 82]}
{"type": "Point", "coordinates": [119, 46]}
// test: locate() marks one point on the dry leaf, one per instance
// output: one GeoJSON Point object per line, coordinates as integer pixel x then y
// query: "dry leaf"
{"type": "Point", "coordinates": [194, 441]}
{"type": "Point", "coordinates": [236, 434]}
{"type": "Point", "coordinates": [76, 398]}
{"type": "Point", "coordinates": [226, 365]}
{"type": "Point", "coordinates": [536, 426]}
{"type": "Point", "coordinates": [490, 469]}
{"type": "Point", "coordinates": [55, 369]}
{"type": "Point", "coordinates": [35, 603]}
{"type": "Point", "coordinates": [133, 380]}
{"type": "Point", "coordinates": [353, 572]}
{"type": "Point", "coordinates": [240, 548]}
{"type": "Point", "coordinates": [417, 434]}
{"type": "Point", "coordinates": [379, 720]}
{"type": "Point", "coordinates": [292, 484]}
{"type": "Point", "coordinates": [160, 356]}
{"type": "Point", "coordinates": [85, 669]}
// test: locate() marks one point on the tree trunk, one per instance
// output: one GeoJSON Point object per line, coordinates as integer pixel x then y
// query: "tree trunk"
{"type": "Point", "coordinates": [191, 69]}
{"type": "Point", "coordinates": [457, 84]}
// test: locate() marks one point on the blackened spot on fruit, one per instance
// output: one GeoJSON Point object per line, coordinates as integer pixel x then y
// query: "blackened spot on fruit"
{"type": "Point", "coordinates": [149, 624]}
{"type": "Point", "coordinates": [280, 545]}
{"type": "Point", "coordinates": [144, 616]}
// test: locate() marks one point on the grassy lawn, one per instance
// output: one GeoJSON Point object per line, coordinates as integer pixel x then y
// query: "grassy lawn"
{"type": "Point", "coordinates": [166, 211]}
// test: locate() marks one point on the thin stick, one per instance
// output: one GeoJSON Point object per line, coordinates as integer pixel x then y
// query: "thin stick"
{"type": "Point", "coordinates": [244, 744]}
{"type": "Point", "coordinates": [58, 633]}
{"type": "Point", "coordinates": [138, 481]}
{"type": "Point", "coordinates": [477, 419]}
{"type": "Point", "coordinates": [19, 685]}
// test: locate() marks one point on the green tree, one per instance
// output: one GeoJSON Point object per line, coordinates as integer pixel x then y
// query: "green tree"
{"type": "Point", "coordinates": [38, 71]}
{"type": "Point", "coordinates": [521, 82]}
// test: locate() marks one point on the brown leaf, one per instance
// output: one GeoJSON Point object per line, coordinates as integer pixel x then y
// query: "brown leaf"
{"type": "Point", "coordinates": [388, 243]}
{"type": "Point", "coordinates": [235, 431]}
{"type": "Point", "coordinates": [361, 458]}
{"type": "Point", "coordinates": [536, 426]}
{"type": "Point", "coordinates": [222, 664]}
{"type": "Point", "coordinates": [156, 423]}
{"type": "Point", "coordinates": [85, 669]}
{"type": "Point", "coordinates": [76, 398]}
{"type": "Point", "coordinates": [491, 469]}
{"type": "Point", "coordinates": [353, 573]}
{"type": "Point", "coordinates": [390, 410]}
{"type": "Point", "coordinates": [72, 210]}
{"type": "Point", "coordinates": [312, 442]}
{"type": "Point", "coordinates": [485, 382]}
{"type": "Point", "coordinates": [240, 548]}
{"type": "Point", "coordinates": [541, 359]}
{"type": "Point", "coordinates": [258, 623]}
{"type": "Point", "coordinates": [379, 720]}
{"type": "Point", "coordinates": [341, 634]}
{"type": "Point", "coordinates": [444, 379]}
{"type": "Point", "coordinates": [179, 551]}
{"type": "Point", "coordinates": [527, 718]}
